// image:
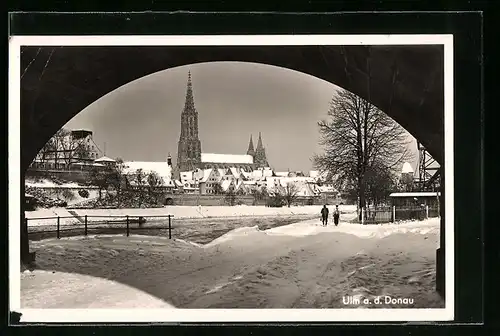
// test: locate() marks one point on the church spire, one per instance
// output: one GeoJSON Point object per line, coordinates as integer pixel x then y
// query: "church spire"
{"type": "Point", "coordinates": [250, 150]}
{"type": "Point", "coordinates": [259, 143]}
{"type": "Point", "coordinates": [189, 103]}
{"type": "Point", "coordinates": [260, 154]}
{"type": "Point", "coordinates": [189, 145]}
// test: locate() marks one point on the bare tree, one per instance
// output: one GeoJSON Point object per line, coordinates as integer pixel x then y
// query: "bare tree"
{"type": "Point", "coordinates": [218, 189]}
{"type": "Point", "coordinates": [406, 182]}
{"type": "Point", "coordinates": [154, 182]}
{"type": "Point", "coordinates": [139, 181]}
{"type": "Point", "coordinates": [357, 137]}
{"type": "Point", "coordinates": [116, 178]}
{"type": "Point", "coordinates": [230, 195]}
{"type": "Point", "coordinates": [379, 184]}
{"type": "Point", "coordinates": [290, 193]}
{"type": "Point", "coordinates": [63, 148]}
{"type": "Point", "coordinates": [99, 178]}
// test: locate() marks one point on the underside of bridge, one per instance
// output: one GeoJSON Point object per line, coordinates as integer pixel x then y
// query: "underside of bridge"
{"type": "Point", "coordinates": [406, 82]}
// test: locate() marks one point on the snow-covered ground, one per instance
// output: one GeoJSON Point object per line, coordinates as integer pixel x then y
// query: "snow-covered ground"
{"type": "Point", "coordinates": [313, 227]}
{"type": "Point", "coordinates": [178, 212]}
{"type": "Point", "coordinates": [302, 265]}
{"type": "Point", "coordinates": [46, 183]}
{"type": "Point", "coordinates": [42, 289]}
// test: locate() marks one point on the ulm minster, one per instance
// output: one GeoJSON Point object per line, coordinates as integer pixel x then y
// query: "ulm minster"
{"type": "Point", "coordinates": [190, 156]}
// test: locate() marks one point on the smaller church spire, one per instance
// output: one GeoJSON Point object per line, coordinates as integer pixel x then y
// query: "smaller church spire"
{"type": "Point", "coordinates": [259, 143]}
{"type": "Point", "coordinates": [260, 153]}
{"type": "Point", "coordinates": [250, 150]}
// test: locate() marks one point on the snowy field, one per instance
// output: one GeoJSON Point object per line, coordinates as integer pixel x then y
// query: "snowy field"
{"type": "Point", "coordinates": [303, 265]}
{"type": "Point", "coordinates": [176, 211]}
{"type": "Point", "coordinates": [46, 183]}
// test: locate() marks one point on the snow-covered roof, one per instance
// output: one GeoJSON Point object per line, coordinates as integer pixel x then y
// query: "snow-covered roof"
{"type": "Point", "coordinates": [104, 159]}
{"type": "Point", "coordinates": [296, 179]}
{"type": "Point", "coordinates": [281, 174]}
{"type": "Point", "coordinates": [256, 174]}
{"type": "Point", "coordinates": [161, 168]}
{"type": "Point", "coordinates": [415, 194]}
{"type": "Point", "coordinates": [246, 174]}
{"type": "Point", "coordinates": [187, 175]}
{"type": "Point", "coordinates": [226, 158]}
{"type": "Point", "coordinates": [98, 165]}
{"type": "Point", "coordinates": [206, 175]}
{"type": "Point", "coordinates": [226, 184]}
{"type": "Point", "coordinates": [407, 168]}
{"type": "Point", "coordinates": [236, 172]}
{"type": "Point", "coordinates": [326, 189]}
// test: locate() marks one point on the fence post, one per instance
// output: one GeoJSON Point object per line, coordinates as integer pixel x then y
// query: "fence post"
{"type": "Point", "coordinates": [169, 227]}
{"type": "Point", "coordinates": [426, 211]}
{"type": "Point", "coordinates": [393, 213]}
{"type": "Point", "coordinates": [128, 227]}
{"type": "Point", "coordinates": [58, 236]}
{"type": "Point", "coordinates": [85, 224]}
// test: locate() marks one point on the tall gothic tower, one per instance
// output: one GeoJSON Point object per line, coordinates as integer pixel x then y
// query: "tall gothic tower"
{"type": "Point", "coordinates": [189, 146]}
{"type": "Point", "coordinates": [260, 154]}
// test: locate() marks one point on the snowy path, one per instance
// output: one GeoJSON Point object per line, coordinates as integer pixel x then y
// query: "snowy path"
{"type": "Point", "coordinates": [299, 265]}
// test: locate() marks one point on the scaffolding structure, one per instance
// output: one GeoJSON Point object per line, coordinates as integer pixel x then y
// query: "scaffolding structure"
{"type": "Point", "coordinates": [429, 171]}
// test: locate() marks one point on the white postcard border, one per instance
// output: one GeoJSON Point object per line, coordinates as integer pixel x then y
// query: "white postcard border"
{"type": "Point", "coordinates": [222, 315]}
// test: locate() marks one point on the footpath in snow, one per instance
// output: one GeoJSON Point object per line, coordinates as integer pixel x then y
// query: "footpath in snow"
{"type": "Point", "coordinates": [314, 227]}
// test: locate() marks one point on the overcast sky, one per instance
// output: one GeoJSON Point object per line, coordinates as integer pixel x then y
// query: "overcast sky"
{"type": "Point", "coordinates": [140, 121]}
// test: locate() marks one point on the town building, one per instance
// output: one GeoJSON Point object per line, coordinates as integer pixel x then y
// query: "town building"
{"type": "Point", "coordinates": [67, 148]}
{"type": "Point", "coordinates": [162, 169]}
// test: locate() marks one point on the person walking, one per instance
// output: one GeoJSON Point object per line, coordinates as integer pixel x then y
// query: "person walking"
{"type": "Point", "coordinates": [324, 215]}
{"type": "Point", "coordinates": [336, 215]}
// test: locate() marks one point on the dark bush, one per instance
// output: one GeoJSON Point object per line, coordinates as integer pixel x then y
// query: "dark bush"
{"type": "Point", "coordinates": [276, 201]}
{"type": "Point", "coordinates": [83, 193]}
{"type": "Point", "coordinates": [68, 195]}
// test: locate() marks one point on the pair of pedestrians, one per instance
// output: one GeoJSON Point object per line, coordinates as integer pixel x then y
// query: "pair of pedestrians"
{"type": "Point", "coordinates": [325, 212]}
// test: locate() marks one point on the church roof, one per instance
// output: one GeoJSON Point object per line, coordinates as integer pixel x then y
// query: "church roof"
{"type": "Point", "coordinates": [226, 158]}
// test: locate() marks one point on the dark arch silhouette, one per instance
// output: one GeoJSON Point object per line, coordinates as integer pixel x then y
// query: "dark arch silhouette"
{"type": "Point", "coordinates": [406, 82]}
